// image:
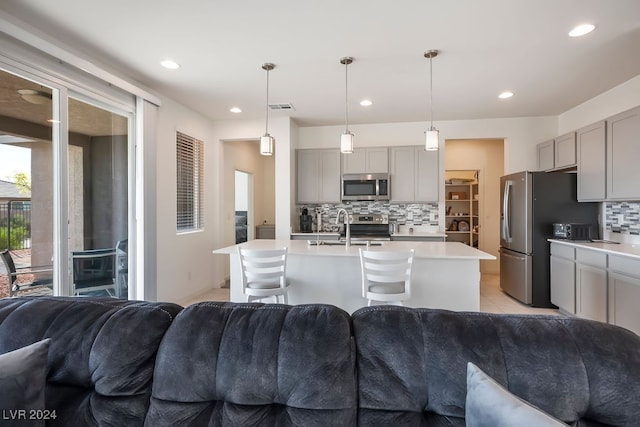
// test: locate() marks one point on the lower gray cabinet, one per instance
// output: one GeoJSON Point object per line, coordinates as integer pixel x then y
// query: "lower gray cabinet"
{"type": "Point", "coordinates": [563, 277]}
{"type": "Point", "coordinates": [265, 232]}
{"type": "Point", "coordinates": [624, 292]}
{"type": "Point", "coordinates": [591, 292]}
{"type": "Point", "coordinates": [591, 285]}
{"type": "Point", "coordinates": [596, 285]}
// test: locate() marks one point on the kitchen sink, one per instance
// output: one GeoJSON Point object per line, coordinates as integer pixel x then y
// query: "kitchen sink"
{"type": "Point", "coordinates": [343, 243]}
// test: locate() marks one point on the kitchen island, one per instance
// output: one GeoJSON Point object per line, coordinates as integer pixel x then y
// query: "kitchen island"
{"type": "Point", "coordinates": [445, 275]}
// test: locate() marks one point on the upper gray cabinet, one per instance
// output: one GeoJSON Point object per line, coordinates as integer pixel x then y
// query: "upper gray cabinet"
{"type": "Point", "coordinates": [414, 174]}
{"type": "Point", "coordinates": [623, 156]}
{"type": "Point", "coordinates": [546, 155]}
{"type": "Point", "coordinates": [318, 176]}
{"type": "Point", "coordinates": [565, 150]}
{"type": "Point", "coordinates": [559, 153]}
{"type": "Point", "coordinates": [366, 160]}
{"type": "Point", "coordinates": [591, 148]}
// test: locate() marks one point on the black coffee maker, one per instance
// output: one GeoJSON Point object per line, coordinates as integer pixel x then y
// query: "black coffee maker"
{"type": "Point", "coordinates": [305, 221]}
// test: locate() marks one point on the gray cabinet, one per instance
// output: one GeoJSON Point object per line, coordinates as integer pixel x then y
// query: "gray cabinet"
{"type": "Point", "coordinates": [623, 153]}
{"type": "Point", "coordinates": [599, 286]}
{"type": "Point", "coordinates": [624, 292]}
{"type": "Point", "coordinates": [558, 153]}
{"type": "Point", "coordinates": [414, 174]}
{"type": "Point", "coordinates": [427, 183]}
{"type": "Point", "coordinates": [546, 154]}
{"type": "Point", "coordinates": [565, 150]}
{"type": "Point", "coordinates": [591, 150]}
{"type": "Point", "coordinates": [366, 160]}
{"type": "Point", "coordinates": [563, 277]}
{"type": "Point", "coordinates": [318, 176]}
{"type": "Point", "coordinates": [266, 231]}
{"type": "Point", "coordinates": [591, 285]}
{"type": "Point", "coordinates": [402, 174]}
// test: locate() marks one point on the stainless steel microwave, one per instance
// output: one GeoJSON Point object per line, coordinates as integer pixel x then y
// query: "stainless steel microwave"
{"type": "Point", "coordinates": [373, 186]}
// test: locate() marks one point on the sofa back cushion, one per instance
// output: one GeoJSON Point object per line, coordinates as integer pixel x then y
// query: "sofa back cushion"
{"type": "Point", "coordinates": [412, 365]}
{"type": "Point", "coordinates": [101, 355]}
{"type": "Point", "coordinates": [255, 364]}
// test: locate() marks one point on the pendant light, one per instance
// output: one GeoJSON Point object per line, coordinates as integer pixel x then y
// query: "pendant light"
{"type": "Point", "coordinates": [431, 142]}
{"type": "Point", "coordinates": [266, 140]}
{"type": "Point", "coordinates": [346, 139]}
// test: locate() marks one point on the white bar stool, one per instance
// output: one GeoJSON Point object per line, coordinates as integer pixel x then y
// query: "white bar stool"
{"type": "Point", "coordinates": [264, 273]}
{"type": "Point", "coordinates": [386, 276]}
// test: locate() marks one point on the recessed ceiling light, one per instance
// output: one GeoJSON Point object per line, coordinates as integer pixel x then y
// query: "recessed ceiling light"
{"type": "Point", "coordinates": [37, 97]}
{"type": "Point", "coordinates": [235, 110]}
{"type": "Point", "coordinates": [506, 94]}
{"type": "Point", "coordinates": [170, 64]}
{"type": "Point", "coordinates": [366, 102]}
{"type": "Point", "coordinates": [581, 30]}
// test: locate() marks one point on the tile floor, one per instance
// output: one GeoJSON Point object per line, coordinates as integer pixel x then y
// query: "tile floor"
{"type": "Point", "coordinates": [492, 299]}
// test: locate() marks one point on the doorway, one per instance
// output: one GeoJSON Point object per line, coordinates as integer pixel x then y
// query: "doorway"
{"type": "Point", "coordinates": [243, 156]}
{"type": "Point", "coordinates": [486, 156]}
{"type": "Point", "coordinates": [243, 206]}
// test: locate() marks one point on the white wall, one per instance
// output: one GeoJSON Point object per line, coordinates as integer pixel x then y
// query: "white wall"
{"type": "Point", "coordinates": [184, 260]}
{"type": "Point", "coordinates": [614, 101]}
{"type": "Point", "coordinates": [520, 136]}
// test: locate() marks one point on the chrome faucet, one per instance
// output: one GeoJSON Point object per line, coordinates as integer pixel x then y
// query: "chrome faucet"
{"type": "Point", "coordinates": [348, 224]}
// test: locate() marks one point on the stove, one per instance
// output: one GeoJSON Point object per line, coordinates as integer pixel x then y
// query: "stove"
{"type": "Point", "coordinates": [369, 227]}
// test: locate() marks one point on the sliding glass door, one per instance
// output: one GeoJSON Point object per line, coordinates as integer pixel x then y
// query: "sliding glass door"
{"type": "Point", "coordinates": [66, 210]}
{"type": "Point", "coordinates": [98, 168]}
{"type": "Point", "coordinates": [26, 190]}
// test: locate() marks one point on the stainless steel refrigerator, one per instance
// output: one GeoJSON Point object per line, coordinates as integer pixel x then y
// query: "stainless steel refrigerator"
{"type": "Point", "coordinates": [530, 203]}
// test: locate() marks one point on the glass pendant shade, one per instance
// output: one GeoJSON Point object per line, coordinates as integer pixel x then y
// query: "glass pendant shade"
{"type": "Point", "coordinates": [346, 139]}
{"type": "Point", "coordinates": [266, 140]}
{"type": "Point", "coordinates": [266, 145]}
{"type": "Point", "coordinates": [432, 135]}
{"type": "Point", "coordinates": [346, 142]}
{"type": "Point", "coordinates": [431, 142]}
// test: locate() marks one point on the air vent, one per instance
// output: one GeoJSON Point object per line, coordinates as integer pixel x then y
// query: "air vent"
{"type": "Point", "coordinates": [287, 106]}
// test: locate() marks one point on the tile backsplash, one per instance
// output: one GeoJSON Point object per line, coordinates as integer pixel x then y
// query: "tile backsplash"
{"type": "Point", "coordinates": [402, 213]}
{"type": "Point", "coordinates": [623, 217]}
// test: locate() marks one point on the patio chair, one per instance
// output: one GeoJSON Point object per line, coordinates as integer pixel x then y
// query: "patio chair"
{"type": "Point", "coordinates": [122, 268]}
{"type": "Point", "coordinates": [38, 276]}
{"type": "Point", "coordinates": [93, 272]}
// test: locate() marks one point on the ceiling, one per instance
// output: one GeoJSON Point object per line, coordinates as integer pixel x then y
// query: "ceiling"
{"type": "Point", "coordinates": [485, 46]}
{"type": "Point", "coordinates": [83, 118]}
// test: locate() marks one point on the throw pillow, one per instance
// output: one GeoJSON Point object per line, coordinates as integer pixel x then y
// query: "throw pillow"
{"type": "Point", "coordinates": [23, 376]}
{"type": "Point", "coordinates": [490, 404]}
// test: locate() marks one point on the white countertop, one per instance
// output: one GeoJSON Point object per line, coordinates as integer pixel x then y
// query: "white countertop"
{"type": "Point", "coordinates": [440, 250]}
{"type": "Point", "coordinates": [623, 249]}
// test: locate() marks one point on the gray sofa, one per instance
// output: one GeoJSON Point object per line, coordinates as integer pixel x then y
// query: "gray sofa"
{"type": "Point", "coordinates": [120, 363]}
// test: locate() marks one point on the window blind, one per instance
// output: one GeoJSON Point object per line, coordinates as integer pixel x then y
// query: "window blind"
{"type": "Point", "coordinates": [190, 183]}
